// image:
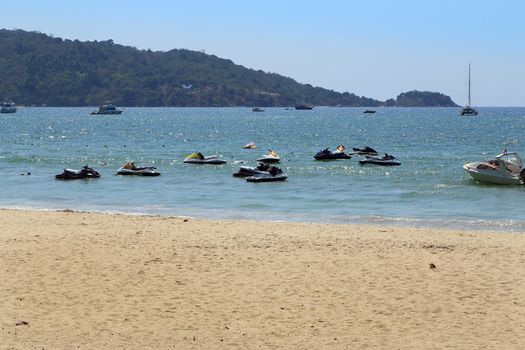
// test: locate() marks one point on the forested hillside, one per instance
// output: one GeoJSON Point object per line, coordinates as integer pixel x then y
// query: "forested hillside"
{"type": "Point", "coordinates": [39, 69]}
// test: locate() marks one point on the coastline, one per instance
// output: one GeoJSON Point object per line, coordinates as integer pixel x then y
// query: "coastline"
{"type": "Point", "coordinates": [123, 281]}
{"type": "Point", "coordinates": [449, 224]}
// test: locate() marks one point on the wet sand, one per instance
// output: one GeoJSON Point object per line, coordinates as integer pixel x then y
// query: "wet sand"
{"type": "Point", "coordinates": [73, 280]}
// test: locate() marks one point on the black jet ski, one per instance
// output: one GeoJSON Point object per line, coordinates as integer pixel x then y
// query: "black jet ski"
{"type": "Point", "coordinates": [326, 154]}
{"type": "Point", "coordinates": [131, 169]}
{"type": "Point", "coordinates": [84, 173]}
{"type": "Point", "coordinates": [273, 174]}
{"type": "Point", "coordinates": [387, 159]}
{"type": "Point", "coordinates": [198, 158]}
{"type": "Point", "coordinates": [245, 171]}
{"type": "Point", "coordinates": [365, 151]}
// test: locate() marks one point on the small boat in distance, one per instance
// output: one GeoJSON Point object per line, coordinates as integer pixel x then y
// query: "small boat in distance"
{"type": "Point", "coordinates": [8, 107]}
{"type": "Point", "coordinates": [250, 145]}
{"type": "Point", "coordinates": [369, 111]}
{"type": "Point", "coordinates": [468, 109]}
{"type": "Point", "coordinates": [506, 169]}
{"type": "Point", "coordinates": [107, 108]}
{"type": "Point", "coordinates": [303, 107]}
{"type": "Point", "coordinates": [257, 109]}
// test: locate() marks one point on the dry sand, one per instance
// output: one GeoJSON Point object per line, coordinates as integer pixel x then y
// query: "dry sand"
{"type": "Point", "coordinates": [94, 281]}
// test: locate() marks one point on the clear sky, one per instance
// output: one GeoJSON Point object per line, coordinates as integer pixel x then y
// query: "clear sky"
{"type": "Point", "coordinates": [373, 48]}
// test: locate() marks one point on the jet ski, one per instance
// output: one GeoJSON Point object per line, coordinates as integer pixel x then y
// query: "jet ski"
{"type": "Point", "coordinates": [198, 158]}
{"type": "Point", "coordinates": [246, 171]}
{"type": "Point", "coordinates": [131, 169]}
{"type": "Point", "coordinates": [326, 154]}
{"type": "Point", "coordinates": [250, 145]}
{"type": "Point", "coordinates": [84, 173]}
{"type": "Point", "coordinates": [273, 174]}
{"type": "Point", "coordinates": [271, 157]}
{"type": "Point", "coordinates": [365, 151]}
{"type": "Point", "coordinates": [387, 159]}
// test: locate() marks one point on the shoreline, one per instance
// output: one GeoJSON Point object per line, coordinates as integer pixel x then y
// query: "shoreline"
{"type": "Point", "coordinates": [103, 281]}
{"type": "Point", "coordinates": [452, 224]}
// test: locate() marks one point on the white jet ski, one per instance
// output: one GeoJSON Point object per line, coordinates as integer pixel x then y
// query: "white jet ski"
{"type": "Point", "coordinates": [271, 157]}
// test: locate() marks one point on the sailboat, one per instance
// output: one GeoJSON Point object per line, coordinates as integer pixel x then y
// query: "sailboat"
{"type": "Point", "coordinates": [468, 110]}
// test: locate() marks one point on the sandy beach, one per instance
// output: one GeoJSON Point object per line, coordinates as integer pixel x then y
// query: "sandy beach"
{"type": "Point", "coordinates": [73, 280]}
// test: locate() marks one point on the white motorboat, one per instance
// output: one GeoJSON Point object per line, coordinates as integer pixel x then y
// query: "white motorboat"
{"type": "Point", "coordinates": [506, 169]}
{"type": "Point", "coordinates": [198, 158]}
{"type": "Point", "coordinates": [387, 160]}
{"type": "Point", "coordinates": [8, 107]}
{"type": "Point", "coordinates": [250, 145]}
{"type": "Point", "coordinates": [271, 157]}
{"type": "Point", "coordinates": [131, 169]}
{"type": "Point", "coordinates": [107, 108]}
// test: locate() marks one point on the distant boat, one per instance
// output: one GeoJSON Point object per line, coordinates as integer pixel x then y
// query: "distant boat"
{"type": "Point", "coordinates": [303, 106]}
{"type": "Point", "coordinates": [8, 107]}
{"type": "Point", "coordinates": [107, 108]}
{"type": "Point", "coordinates": [468, 110]}
{"type": "Point", "coordinates": [369, 111]}
{"type": "Point", "coordinates": [257, 109]}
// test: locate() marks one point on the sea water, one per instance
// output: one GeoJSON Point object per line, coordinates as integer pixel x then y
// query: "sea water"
{"type": "Point", "coordinates": [430, 188]}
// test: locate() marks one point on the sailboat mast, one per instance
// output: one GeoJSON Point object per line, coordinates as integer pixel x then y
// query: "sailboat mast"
{"type": "Point", "coordinates": [469, 104]}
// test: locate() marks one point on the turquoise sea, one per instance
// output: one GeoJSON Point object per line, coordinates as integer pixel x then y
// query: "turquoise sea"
{"type": "Point", "coordinates": [430, 188]}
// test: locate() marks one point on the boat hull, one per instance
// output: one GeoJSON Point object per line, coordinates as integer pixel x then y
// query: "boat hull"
{"type": "Point", "coordinates": [491, 176]}
{"type": "Point", "coordinates": [468, 111]}
{"type": "Point", "coordinates": [106, 113]}
{"type": "Point", "coordinates": [302, 107]}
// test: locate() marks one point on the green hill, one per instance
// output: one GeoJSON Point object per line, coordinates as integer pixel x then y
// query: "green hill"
{"type": "Point", "coordinates": [421, 99]}
{"type": "Point", "coordinates": [39, 69]}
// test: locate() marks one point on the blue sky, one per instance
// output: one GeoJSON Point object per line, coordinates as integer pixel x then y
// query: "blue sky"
{"type": "Point", "coordinates": [374, 48]}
